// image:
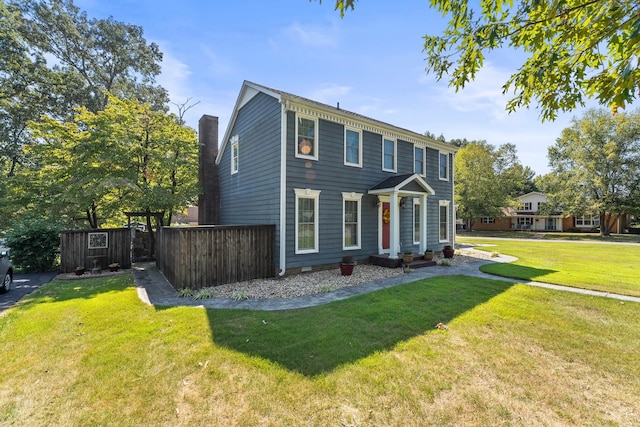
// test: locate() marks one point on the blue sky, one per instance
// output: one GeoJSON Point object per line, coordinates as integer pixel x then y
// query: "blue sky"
{"type": "Point", "coordinates": [371, 62]}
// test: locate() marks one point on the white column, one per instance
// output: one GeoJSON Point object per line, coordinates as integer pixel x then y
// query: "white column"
{"type": "Point", "coordinates": [394, 229]}
{"type": "Point", "coordinates": [423, 223]}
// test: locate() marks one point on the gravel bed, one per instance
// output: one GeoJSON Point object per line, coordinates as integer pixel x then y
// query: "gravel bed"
{"type": "Point", "coordinates": [298, 285]}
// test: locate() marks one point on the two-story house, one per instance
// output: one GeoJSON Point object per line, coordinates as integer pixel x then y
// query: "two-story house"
{"type": "Point", "coordinates": [335, 183]}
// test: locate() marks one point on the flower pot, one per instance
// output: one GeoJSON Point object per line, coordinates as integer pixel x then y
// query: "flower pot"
{"type": "Point", "coordinates": [448, 252]}
{"type": "Point", "coordinates": [79, 271]}
{"type": "Point", "coordinates": [407, 258]}
{"type": "Point", "coordinates": [113, 269]}
{"type": "Point", "coordinates": [346, 269]}
{"type": "Point", "coordinates": [428, 256]}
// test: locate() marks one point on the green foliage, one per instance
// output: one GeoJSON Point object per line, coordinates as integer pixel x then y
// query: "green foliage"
{"type": "Point", "coordinates": [575, 50]}
{"type": "Point", "coordinates": [34, 244]}
{"type": "Point", "coordinates": [487, 179]}
{"type": "Point", "coordinates": [596, 167]}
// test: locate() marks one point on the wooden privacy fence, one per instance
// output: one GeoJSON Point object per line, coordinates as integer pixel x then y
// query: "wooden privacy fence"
{"type": "Point", "coordinates": [99, 248]}
{"type": "Point", "coordinates": [197, 257]}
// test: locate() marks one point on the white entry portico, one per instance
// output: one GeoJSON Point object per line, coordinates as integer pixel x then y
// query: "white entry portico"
{"type": "Point", "coordinates": [390, 193]}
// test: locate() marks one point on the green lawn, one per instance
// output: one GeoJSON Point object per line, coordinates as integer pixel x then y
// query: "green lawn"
{"type": "Point", "coordinates": [603, 267]}
{"type": "Point", "coordinates": [88, 352]}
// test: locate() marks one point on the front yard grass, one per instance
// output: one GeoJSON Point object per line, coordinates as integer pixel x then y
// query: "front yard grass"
{"type": "Point", "coordinates": [88, 352]}
{"type": "Point", "coordinates": [602, 267]}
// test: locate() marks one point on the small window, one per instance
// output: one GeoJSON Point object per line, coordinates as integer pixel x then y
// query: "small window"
{"type": "Point", "coordinates": [443, 234]}
{"type": "Point", "coordinates": [444, 166]}
{"type": "Point", "coordinates": [526, 206]}
{"type": "Point", "coordinates": [352, 147]}
{"type": "Point", "coordinates": [234, 155]}
{"type": "Point", "coordinates": [488, 220]}
{"type": "Point", "coordinates": [307, 138]}
{"type": "Point", "coordinates": [388, 155]}
{"type": "Point", "coordinates": [351, 220]}
{"type": "Point", "coordinates": [306, 220]}
{"type": "Point", "coordinates": [418, 160]}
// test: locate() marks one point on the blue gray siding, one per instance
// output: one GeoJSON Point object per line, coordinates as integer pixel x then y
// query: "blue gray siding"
{"type": "Point", "coordinates": [331, 177]}
{"type": "Point", "coordinates": [252, 195]}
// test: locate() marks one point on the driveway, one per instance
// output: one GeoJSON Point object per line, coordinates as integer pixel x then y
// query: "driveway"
{"type": "Point", "coordinates": [23, 284]}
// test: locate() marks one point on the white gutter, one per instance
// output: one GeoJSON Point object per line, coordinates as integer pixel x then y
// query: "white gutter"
{"type": "Point", "coordinates": [283, 187]}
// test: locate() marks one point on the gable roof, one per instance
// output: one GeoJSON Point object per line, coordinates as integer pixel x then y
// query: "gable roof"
{"type": "Point", "coordinates": [407, 183]}
{"type": "Point", "coordinates": [335, 114]}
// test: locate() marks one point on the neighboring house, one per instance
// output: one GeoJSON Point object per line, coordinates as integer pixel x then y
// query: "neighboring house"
{"type": "Point", "coordinates": [335, 183]}
{"type": "Point", "coordinates": [528, 217]}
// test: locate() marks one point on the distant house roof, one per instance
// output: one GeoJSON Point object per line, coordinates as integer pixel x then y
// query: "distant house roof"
{"type": "Point", "coordinates": [336, 114]}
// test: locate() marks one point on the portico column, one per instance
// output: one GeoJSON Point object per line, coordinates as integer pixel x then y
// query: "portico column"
{"type": "Point", "coordinates": [423, 223]}
{"type": "Point", "coordinates": [394, 229]}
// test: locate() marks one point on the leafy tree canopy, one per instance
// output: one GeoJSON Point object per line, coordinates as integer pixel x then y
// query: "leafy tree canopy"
{"type": "Point", "coordinates": [575, 49]}
{"type": "Point", "coordinates": [596, 167]}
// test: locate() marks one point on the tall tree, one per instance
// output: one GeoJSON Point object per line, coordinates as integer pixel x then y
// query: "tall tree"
{"type": "Point", "coordinates": [126, 157]}
{"type": "Point", "coordinates": [574, 49]}
{"type": "Point", "coordinates": [596, 162]}
{"type": "Point", "coordinates": [487, 180]}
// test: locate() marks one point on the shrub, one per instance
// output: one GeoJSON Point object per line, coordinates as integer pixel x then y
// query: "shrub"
{"type": "Point", "coordinates": [34, 244]}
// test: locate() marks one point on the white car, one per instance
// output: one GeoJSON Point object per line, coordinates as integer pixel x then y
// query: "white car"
{"type": "Point", "coordinates": [6, 272]}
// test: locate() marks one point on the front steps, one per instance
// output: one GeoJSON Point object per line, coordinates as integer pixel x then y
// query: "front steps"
{"type": "Point", "coordinates": [385, 261]}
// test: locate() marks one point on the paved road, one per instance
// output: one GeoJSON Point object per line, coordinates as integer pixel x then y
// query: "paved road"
{"type": "Point", "coordinates": [23, 284]}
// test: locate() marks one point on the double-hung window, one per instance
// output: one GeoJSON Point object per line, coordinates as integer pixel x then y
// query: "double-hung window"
{"type": "Point", "coordinates": [418, 160]}
{"type": "Point", "coordinates": [351, 218]}
{"type": "Point", "coordinates": [234, 154]}
{"type": "Point", "coordinates": [388, 155]}
{"type": "Point", "coordinates": [352, 147]}
{"type": "Point", "coordinates": [307, 137]}
{"type": "Point", "coordinates": [444, 166]}
{"type": "Point", "coordinates": [443, 233]}
{"type": "Point", "coordinates": [307, 220]}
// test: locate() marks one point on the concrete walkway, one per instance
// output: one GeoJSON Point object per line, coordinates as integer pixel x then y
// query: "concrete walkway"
{"type": "Point", "coordinates": [154, 289]}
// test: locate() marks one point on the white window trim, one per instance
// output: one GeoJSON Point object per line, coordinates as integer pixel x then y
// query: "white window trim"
{"type": "Point", "coordinates": [446, 203]}
{"type": "Point", "coordinates": [440, 154]}
{"type": "Point", "coordinates": [423, 172]}
{"type": "Point", "coordinates": [315, 140]}
{"type": "Point", "coordinates": [308, 194]}
{"type": "Point", "coordinates": [235, 159]}
{"type": "Point", "coordinates": [395, 154]}
{"type": "Point", "coordinates": [359, 132]}
{"type": "Point", "coordinates": [416, 202]}
{"type": "Point", "coordinates": [352, 197]}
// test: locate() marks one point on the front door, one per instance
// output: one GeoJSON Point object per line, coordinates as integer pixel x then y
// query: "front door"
{"type": "Point", "coordinates": [386, 226]}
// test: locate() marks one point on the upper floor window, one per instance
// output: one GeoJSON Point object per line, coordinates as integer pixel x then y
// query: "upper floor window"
{"type": "Point", "coordinates": [388, 155]}
{"type": "Point", "coordinates": [352, 147]}
{"type": "Point", "coordinates": [418, 160]}
{"type": "Point", "coordinates": [526, 206]}
{"type": "Point", "coordinates": [444, 166]}
{"type": "Point", "coordinates": [307, 137]}
{"type": "Point", "coordinates": [234, 154]}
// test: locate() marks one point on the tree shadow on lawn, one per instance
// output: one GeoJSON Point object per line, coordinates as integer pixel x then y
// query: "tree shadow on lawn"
{"type": "Point", "coordinates": [515, 271]}
{"type": "Point", "coordinates": [316, 340]}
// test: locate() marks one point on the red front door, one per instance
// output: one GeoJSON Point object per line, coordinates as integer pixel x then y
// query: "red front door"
{"type": "Point", "coordinates": [386, 216]}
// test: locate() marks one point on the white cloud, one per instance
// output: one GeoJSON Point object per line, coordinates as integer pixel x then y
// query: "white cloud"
{"type": "Point", "coordinates": [329, 93]}
{"type": "Point", "coordinates": [312, 35]}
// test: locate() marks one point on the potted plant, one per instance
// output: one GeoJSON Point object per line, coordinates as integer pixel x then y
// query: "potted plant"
{"type": "Point", "coordinates": [346, 265]}
{"type": "Point", "coordinates": [428, 254]}
{"type": "Point", "coordinates": [114, 267]}
{"type": "Point", "coordinates": [79, 270]}
{"type": "Point", "coordinates": [448, 251]}
{"type": "Point", "coordinates": [407, 257]}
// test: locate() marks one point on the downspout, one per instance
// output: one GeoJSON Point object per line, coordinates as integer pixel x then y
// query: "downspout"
{"type": "Point", "coordinates": [283, 187]}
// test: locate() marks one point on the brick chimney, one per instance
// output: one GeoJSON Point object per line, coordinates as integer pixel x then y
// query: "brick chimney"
{"type": "Point", "coordinates": [209, 200]}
